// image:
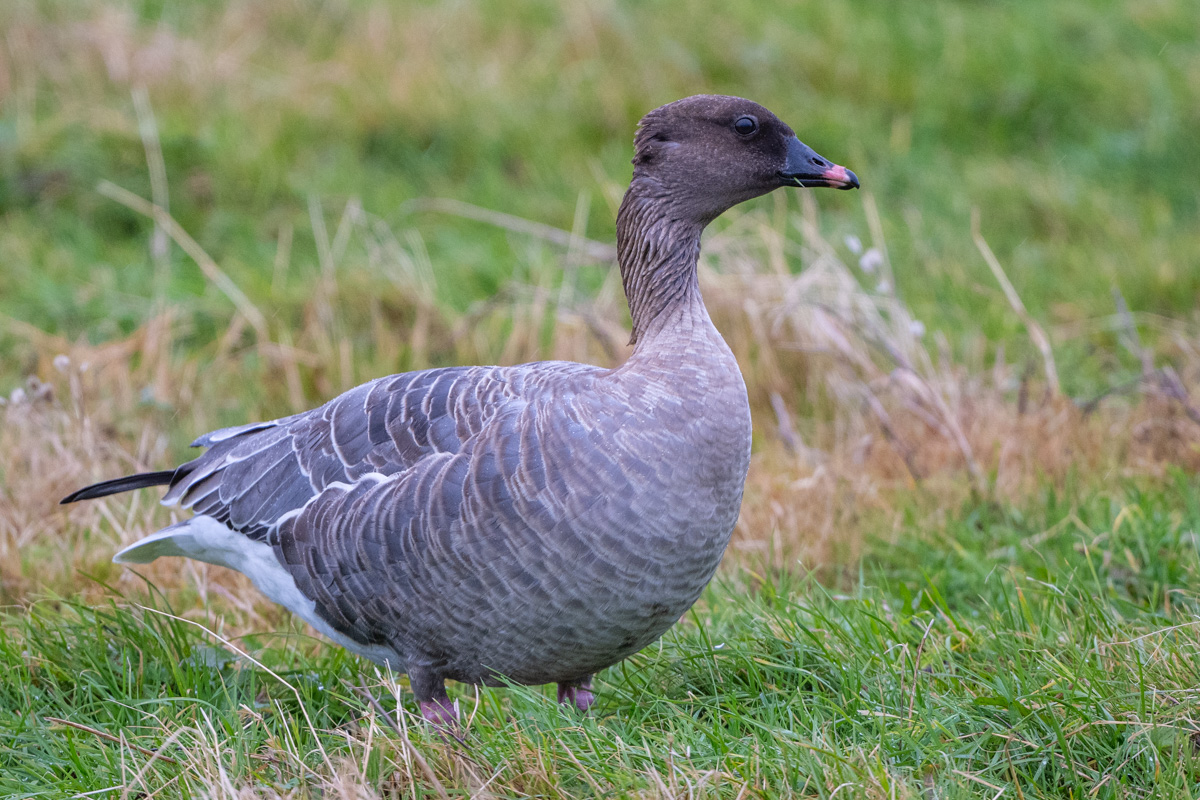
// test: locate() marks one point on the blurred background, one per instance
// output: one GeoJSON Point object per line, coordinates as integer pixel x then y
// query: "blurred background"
{"type": "Point", "coordinates": [327, 175]}
{"type": "Point", "coordinates": [1071, 126]}
{"type": "Point", "coordinates": [220, 211]}
{"type": "Point", "coordinates": [973, 379]}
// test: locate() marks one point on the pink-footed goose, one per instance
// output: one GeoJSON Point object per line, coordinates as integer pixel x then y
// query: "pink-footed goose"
{"type": "Point", "coordinates": [532, 524]}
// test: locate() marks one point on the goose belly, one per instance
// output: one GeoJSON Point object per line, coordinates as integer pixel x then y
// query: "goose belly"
{"type": "Point", "coordinates": [557, 599]}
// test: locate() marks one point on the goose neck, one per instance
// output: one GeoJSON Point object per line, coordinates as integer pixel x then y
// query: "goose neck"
{"type": "Point", "coordinates": [657, 248]}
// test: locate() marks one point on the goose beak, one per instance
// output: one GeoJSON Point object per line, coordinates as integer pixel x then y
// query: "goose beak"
{"type": "Point", "coordinates": [803, 167]}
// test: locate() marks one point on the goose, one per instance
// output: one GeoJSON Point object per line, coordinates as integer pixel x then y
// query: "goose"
{"type": "Point", "coordinates": [525, 524]}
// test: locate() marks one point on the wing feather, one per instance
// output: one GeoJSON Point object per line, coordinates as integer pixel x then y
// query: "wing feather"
{"type": "Point", "coordinates": [254, 475]}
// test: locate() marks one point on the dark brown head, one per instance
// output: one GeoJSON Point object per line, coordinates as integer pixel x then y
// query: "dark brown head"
{"type": "Point", "coordinates": [707, 153]}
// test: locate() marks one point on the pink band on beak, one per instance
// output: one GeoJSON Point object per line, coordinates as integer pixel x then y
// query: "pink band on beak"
{"type": "Point", "coordinates": [836, 174]}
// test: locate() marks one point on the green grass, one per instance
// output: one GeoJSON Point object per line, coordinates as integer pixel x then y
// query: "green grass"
{"type": "Point", "coordinates": [1070, 126]}
{"type": "Point", "coordinates": [1042, 649]}
{"type": "Point", "coordinates": [1048, 651]}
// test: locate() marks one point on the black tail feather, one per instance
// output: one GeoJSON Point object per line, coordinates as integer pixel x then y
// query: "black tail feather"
{"type": "Point", "coordinates": [117, 485]}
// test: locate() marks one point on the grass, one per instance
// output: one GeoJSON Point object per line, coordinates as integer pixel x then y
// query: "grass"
{"type": "Point", "coordinates": [1070, 127]}
{"type": "Point", "coordinates": [1040, 652]}
{"type": "Point", "coordinates": [949, 579]}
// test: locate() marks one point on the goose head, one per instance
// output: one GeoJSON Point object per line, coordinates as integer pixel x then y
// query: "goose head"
{"type": "Point", "coordinates": [705, 154]}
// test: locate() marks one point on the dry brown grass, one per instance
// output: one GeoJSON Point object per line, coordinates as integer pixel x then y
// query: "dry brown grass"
{"type": "Point", "coordinates": [857, 418]}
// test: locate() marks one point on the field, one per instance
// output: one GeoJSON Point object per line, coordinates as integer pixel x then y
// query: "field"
{"type": "Point", "coordinates": [967, 562]}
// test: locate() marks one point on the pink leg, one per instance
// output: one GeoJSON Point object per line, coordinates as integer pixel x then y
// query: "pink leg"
{"type": "Point", "coordinates": [578, 694]}
{"type": "Point", "coordinates": [440, 711]}
{"type": "Point", "coordinates": [430, 689]}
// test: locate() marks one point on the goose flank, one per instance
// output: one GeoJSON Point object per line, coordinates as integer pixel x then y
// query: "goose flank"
{"type": "Point", "coordinates": [529, 524]}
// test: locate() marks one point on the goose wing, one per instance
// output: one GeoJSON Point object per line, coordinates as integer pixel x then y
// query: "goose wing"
{"type": "Point", "coordinates": [253, 475]}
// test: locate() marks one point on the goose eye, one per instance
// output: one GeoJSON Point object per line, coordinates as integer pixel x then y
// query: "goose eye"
{"type": "Point", "coordinates": [746, 125]}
